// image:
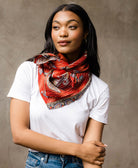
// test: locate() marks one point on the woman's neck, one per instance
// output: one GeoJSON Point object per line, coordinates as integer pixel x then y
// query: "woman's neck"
{"type": "Point", "coordinates": [73, 56]}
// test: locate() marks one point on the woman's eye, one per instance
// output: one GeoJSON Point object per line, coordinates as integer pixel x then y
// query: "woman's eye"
{"type": "Point", "coordinates": [55, 27]}
{"type": "Point", "coordinates": [73, 27]}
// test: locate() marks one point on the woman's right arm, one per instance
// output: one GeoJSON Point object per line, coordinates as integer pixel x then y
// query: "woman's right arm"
{"type": "Point", "coordinates": [22, 135]}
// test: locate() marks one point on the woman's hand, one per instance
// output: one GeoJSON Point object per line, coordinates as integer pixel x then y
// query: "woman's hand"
{"type": "Point", "coordinates": [92, 152]}
{"type": "Point", "coordinates": [22, 135]}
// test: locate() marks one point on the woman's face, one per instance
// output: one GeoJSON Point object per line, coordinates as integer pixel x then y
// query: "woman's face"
{"type": "Point", "coordinates": [67, 34]}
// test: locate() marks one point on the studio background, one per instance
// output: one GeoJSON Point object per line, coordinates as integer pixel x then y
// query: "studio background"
{"type": "Point", "coordinates": [22, 26]}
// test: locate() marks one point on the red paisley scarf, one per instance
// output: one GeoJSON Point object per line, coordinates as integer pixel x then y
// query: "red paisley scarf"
{"type": "Point", "coordinates": [61, 83]}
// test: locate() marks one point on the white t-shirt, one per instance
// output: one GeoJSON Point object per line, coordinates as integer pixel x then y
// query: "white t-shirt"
{"type": "Point", "coordinates": [67, 123]}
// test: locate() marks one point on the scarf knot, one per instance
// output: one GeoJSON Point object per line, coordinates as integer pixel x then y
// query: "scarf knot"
{"type": "Point", "coordinates": [61, 83]}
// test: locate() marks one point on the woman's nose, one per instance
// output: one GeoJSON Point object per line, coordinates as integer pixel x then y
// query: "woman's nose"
{"type": "Point", "coordinates": [63, 32]}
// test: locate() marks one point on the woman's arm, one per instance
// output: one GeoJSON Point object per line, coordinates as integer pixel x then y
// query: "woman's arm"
{"type": "Point", "coordinates": [22, 135]}
{"type": "Point", "coordinates": [94, 132]}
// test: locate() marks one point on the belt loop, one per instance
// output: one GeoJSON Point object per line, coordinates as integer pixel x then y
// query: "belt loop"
{"type": "Point", "coordinates": [62, 158]}
{"type": "Point", "coordinates": [46, 158]}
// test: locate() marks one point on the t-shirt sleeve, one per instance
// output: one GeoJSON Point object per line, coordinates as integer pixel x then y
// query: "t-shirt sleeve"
{"type": "Point", "coordinates": [99, 111]}
{"type": "Point", "coordinates": [21, 87]}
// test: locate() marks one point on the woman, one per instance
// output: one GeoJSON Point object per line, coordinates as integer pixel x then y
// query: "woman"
{"type": "Point", "coordinates": [59, 105]}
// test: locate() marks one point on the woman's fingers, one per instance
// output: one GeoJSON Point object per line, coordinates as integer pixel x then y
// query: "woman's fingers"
{"type": "Point", "coordinates": [99, 163]}
{"type": "Point", "coordinates": [93, 153]}
{"type": "Point", "coordinates": [101, 149]}
{"type": "Point", "coordinates": [101, 159]}
{"type": "Point", "coordinates": [102, 154]}
{"type": "Point", "coordinates": [100, 144]}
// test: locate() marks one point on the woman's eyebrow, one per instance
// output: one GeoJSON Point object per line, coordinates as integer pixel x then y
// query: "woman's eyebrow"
{"type": "Point", "coordinates": [71, 20]}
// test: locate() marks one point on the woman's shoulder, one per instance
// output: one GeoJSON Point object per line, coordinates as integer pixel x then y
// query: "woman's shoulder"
{"type": "Point", "coordinates": [26, 69]}
{"type": "Point", "coordinates": [97, 85]}
{"type": "Point", "coordinates": [98, 81]}
{"type": "Point", "coordinates": [27, 64]}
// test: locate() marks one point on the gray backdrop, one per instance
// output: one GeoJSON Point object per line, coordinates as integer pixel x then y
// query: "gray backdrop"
{"type": "Point", "coordinates": [22, 25]}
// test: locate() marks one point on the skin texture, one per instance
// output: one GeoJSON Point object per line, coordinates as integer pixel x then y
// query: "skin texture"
{"type": "Point", "coordinates": [93, 132]}
{"type": "Point", "coordinates": [67, 34]}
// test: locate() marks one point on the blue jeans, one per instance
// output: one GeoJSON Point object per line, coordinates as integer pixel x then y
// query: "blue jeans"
{"type": "Point", "coordinates": [43, 160]}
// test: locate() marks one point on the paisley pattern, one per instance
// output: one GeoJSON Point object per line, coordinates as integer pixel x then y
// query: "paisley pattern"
{"type": "Point", "coordinates": [61, 83]}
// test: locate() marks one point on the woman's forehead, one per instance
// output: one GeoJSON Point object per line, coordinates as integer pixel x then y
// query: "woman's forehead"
{"type": "Point", "coordinates": [66, 16]}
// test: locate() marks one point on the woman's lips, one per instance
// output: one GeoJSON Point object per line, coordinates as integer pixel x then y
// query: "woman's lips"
{"type": "Point", "coordinates": [63, 43]}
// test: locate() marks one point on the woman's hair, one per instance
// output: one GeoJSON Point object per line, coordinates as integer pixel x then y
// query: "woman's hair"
{"type": "Point", "coordinates": [89, 44]}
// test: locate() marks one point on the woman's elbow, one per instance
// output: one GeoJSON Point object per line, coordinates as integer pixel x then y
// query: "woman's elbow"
{"type": "Point", "coordinates": [16, 138]}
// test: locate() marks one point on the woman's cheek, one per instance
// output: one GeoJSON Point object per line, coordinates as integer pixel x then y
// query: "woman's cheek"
{"type": "Point", "coordinates": [54, 36]}
{"type": "Point", "coordinates": [78, 36]}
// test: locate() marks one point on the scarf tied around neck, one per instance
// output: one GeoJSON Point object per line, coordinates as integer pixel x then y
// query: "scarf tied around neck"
{"type": "Point", "coordinates": [61, 83]}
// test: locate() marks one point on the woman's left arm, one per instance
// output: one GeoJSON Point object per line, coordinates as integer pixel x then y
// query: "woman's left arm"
{"type": "Point", "coordinates": [94, 133]}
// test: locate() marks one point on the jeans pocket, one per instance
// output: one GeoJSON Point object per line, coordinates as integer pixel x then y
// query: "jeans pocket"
{"type": "Point", "coordinates": [32, 162]}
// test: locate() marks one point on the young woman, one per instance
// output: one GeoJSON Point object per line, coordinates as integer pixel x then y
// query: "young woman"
{"type": "Point", "coordinates": [59, 104]}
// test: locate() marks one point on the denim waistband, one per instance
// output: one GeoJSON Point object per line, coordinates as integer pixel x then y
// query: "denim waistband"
{"type": "Point", "coordinates": [46, 156]}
